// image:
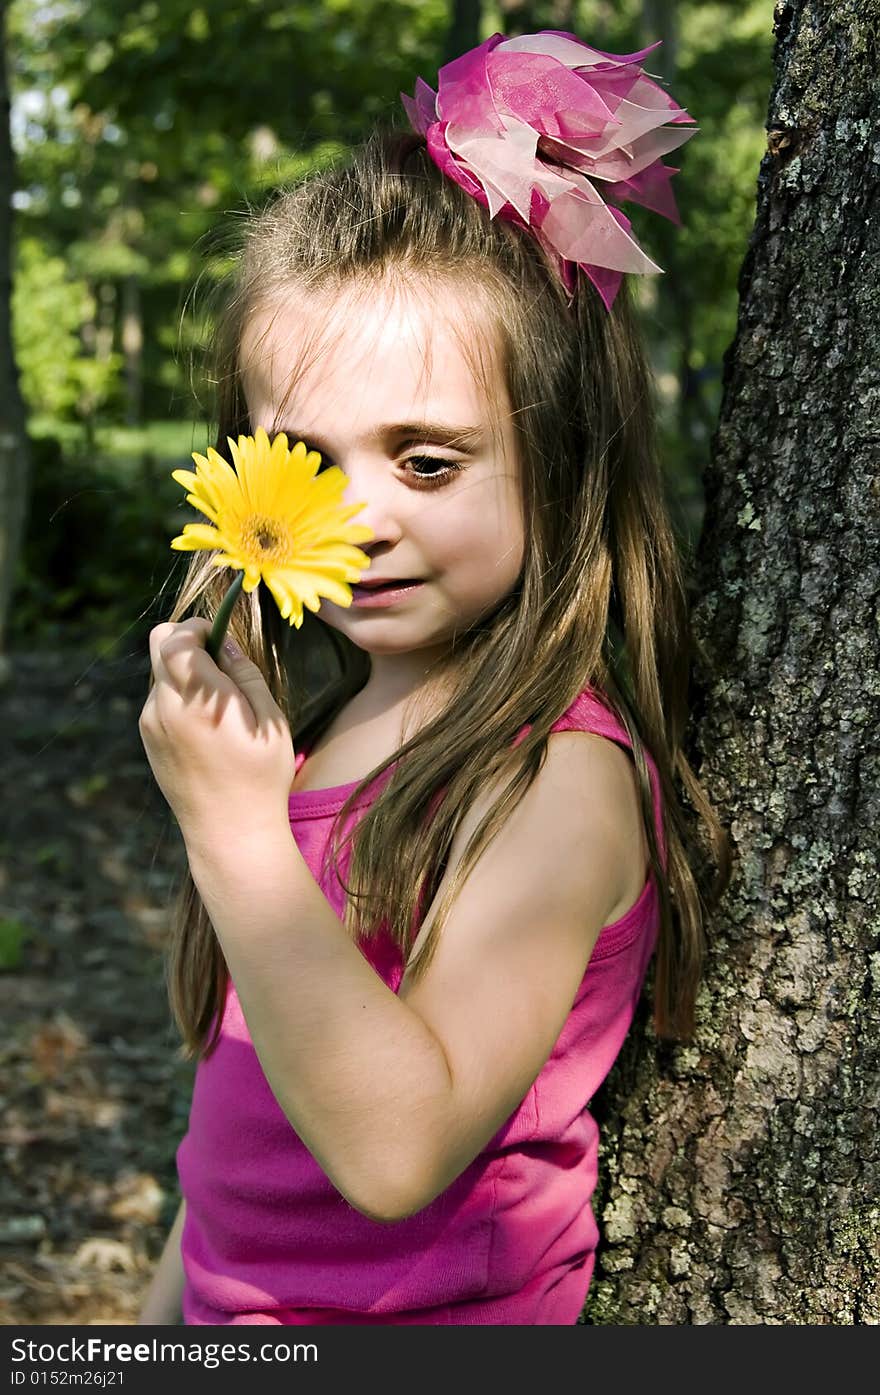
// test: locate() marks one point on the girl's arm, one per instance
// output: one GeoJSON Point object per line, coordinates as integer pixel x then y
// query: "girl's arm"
{"type": "Point", "coordinates": [395, 1095]}
{"type": "Point", "coordinates": [162, 1304]}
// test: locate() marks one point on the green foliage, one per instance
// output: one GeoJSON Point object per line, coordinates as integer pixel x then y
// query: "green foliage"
{"type": "Point", "coordinates": [145, 132]}
{"type": "Point", "coordinates": [13, 934]}
{"type": "Point", "coordinates": [50, 306]}
{"type": "Point", "coordinates": [174, 115]}
{"type": "Point", "coordinates": [725, 76]}
{"type": "Point", "coordinates": [97, 551]}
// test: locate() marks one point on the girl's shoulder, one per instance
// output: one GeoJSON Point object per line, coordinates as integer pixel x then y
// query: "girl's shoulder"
{"type": "Point", "coordinates": [592, 712]}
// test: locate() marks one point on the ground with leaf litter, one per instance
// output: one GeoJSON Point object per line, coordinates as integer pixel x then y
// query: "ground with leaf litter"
{"type": "Point", "coordinates": [93, 1096]}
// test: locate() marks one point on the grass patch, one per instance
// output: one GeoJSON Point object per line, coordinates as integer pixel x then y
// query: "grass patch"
{"type": "Point", "coordinates": [167, 444]}
{"type": "Point", "coordinates": [13, 934]}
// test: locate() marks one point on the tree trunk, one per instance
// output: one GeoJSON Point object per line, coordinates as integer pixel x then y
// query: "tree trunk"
{"type": "Point", "coordinates": [660, 21]}
{"type": "Point", "coordinates": [528, 16]}
{"type": "Point", "coordinates": [740, 1174]}
{"type": "Point", "coordinates": [464, 28]}
{"type": "Point", "coordinates": [132, 347]}
{"type": "Point", "coordinates": [14, 456]}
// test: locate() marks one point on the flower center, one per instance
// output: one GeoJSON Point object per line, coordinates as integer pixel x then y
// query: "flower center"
{"type": "Point", "coordinates": [268, 537]}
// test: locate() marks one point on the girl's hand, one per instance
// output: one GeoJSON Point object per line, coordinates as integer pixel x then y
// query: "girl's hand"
{"type": "Point", "coordinates": [217, 742]}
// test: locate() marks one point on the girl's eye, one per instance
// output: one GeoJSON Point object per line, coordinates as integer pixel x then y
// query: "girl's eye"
{"type": "Point", "coordinates": [441, 470]}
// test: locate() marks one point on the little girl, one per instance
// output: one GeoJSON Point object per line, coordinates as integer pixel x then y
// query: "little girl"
{"type": "Point", "coordinates": [434, 836]}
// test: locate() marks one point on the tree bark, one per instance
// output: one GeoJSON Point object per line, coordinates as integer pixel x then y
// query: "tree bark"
{"type": "Point", "coordinates": [740, 1173]}
{"type": "Point", "coordinates": [528, 16]}
{"type": "Point", "coordinates": [132, 347]}
{"type": "Point", "coordinates": [464, 28]}
{"type": "Point", "coordinates": [660, 21]}
{"type": "Point", "coordinates": [14, 455]}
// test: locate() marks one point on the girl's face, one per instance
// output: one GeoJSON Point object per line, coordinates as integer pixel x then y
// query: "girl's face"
{"type": "Point", "coordinates": [391, 399]}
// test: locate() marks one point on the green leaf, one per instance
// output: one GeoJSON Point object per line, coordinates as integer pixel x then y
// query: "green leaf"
{"type": "Point", "coordinates": [13, 934]}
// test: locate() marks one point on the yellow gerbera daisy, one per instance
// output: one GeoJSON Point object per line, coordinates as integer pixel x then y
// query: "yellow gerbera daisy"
{"type": "Point", "coordinates": [275, 521]}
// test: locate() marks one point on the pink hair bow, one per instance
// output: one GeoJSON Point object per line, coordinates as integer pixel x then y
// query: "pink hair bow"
{"type": "Point", "coordinates": [530, 125]}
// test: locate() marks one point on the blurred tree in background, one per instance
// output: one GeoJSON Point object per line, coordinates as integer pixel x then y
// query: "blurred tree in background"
{"type": "Point", "coordinates": [14, 453]}
{"type": "Point", "coordinates": [142, 133]}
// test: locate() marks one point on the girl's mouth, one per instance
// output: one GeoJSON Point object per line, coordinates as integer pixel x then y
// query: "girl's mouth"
{"type": "Point", "coordinates": [386, 594]}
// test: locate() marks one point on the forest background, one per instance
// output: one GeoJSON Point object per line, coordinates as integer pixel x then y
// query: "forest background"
{"type": "Point", "coordinates": [142, 131]}
{"type": "Point", "coordinates": [141, 134]}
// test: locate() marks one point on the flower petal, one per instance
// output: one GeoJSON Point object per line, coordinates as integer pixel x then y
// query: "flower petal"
{"type": "Point", "coordinates": [276, 520]}
{"type": "Point", "coordinates": [196, 535]}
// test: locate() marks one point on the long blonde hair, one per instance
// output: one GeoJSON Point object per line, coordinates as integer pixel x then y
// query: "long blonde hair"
{"type": "Point", "coordinates": [601, 599]}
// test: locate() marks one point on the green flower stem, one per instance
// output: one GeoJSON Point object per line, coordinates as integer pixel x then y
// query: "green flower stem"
{"type": "Point", "coordinates": [221, 620]}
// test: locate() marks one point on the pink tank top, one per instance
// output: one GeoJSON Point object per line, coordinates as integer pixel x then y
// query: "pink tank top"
{"type": "Point", "coordinates": [512, 1240]}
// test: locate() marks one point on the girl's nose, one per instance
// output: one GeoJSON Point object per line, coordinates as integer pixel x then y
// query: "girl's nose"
{"type": "Point", "coordinates": [377, 510]}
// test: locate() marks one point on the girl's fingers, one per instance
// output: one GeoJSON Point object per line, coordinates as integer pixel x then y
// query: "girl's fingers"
{"type": "Point", "coordinates": [182, 665]}
{"type": "Point", "coordinates": [157, 634]}
{"type": "Point", "coordinates": [148, 711]}
{"type": "Point", "coordinates": [169, 642]}
{"type": "Point", "coordinates": [249, 679]}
